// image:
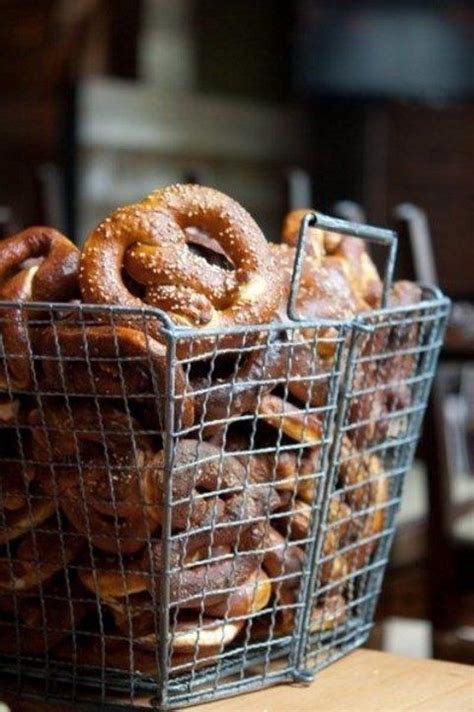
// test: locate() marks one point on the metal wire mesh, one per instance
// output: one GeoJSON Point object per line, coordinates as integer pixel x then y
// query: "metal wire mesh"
{"type": "Point", "coordinates": [177, 527]}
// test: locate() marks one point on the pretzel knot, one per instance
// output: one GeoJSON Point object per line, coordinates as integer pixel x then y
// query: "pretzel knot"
{"type": "Point", "coordinates": [148, 241]}
{"type": "Point", "coordinates": [52, 278]}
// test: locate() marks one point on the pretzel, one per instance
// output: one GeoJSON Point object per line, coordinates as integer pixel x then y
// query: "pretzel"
{"type": "Point", "coordinates": [38, 557]}
{"type": "Point", "coordinates": [109, 580]}
{"type": "Point", "coordinates": [225, 398]}
{"type": "Point", "coordinates": [200, 466]}
{"type": "Point", "coordinates": [327, 615]}
{"type": "Point", "coordinates": [53, 279]}
{"type": "Point", "coordinates": [278, 468]}
{"type": "Point", "coordinates": [147, 240]}
{"type": "Point", "coordinates": [25, 500]}
{"type": "Point", "coordinates": [104, 470]}
{"type": "Point", "coordinates": [293, 422]}
{"type": "Point", "coordinates": [188, 638]}
{"type": "Point", "coordinates": [91, 651]}
{"type": "Point", "coordinates": [112, 361]}
{"type": "Point", "coordinates": [9, 411]}
{"type": "Point", "coordinates": [40, 624]}
{"type": "Point", "coordinates": [297, 525]}
{"type": "Point", "coordinates": [193, 584]}
{"type": "Point", "coordinates": [252, 596]}
{"type": "Point", "coordinates": [346, 253]}
{"type": "Point", "coordinates": [282, 560]}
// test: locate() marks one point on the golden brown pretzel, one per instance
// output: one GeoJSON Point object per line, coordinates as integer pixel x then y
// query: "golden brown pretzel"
{"type": "Point", "coordinates": [193, 637]}
{"type": "Point", "coordinates": [148, 240]}
{"type": "Point", "coordinates": [252, 596]}
{"type": "Point", "coordinates": [112, 361]}
{"type": "Point", "coordinates": [293, 422]}
{"type": "Point", "coordinates": [232, 501]}
{"type": "Point", "coordinates": [38, 557]}
{"type": "Point", "coordinates": [107, 579]}
{"type": "Point", "coordinates": [55, 278]}
{"type": "Point", "coordinates": [346, 253]}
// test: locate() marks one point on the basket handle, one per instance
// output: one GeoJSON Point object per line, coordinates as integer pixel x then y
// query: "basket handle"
{"type": "Point", "coordinates": [344, 227]}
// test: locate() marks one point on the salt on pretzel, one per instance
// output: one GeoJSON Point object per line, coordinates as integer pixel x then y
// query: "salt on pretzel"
{"type": "Point", "coordinates": [205, 582]}
{"type": "Point", "coordinates": [346, 253]}
{"type": "Point", "coordinates": [148, 241]}
{"type": "Point", "coordinates": [55, 278]}
{"type": "Point", "coordinates": [210, 488]}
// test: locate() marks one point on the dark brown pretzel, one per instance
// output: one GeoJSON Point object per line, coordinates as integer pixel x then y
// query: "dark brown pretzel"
{"type": "Point", "coordinates": [91, 652]}
{"type": "Point", "coordinates": [196, 584]}
{"type": "Point", "coordinates": [55, 278]}
{"type": "Point", "coordinates": [334, 566]}
{"type": "Point", "coordinates": [148, 240]}
{"type": "Point", "coordinates": [38, 557]}
{"type": "Point", "coordinates": [326, 615]}
{"type": "Point", "coordinates": [224, 399]}
{"type": "Point", "coordinates": [112, 494]}
{"type": "Point", "coordinates": [233, 501]}
{"type": "Point", "coordinates": [25, 499]}
{"type": "Point", "coordinates": [38, 625]}
{"type": "Point", "coordinates": [110, 360]}
{"type": "Point", "coordinates": [282, 560]}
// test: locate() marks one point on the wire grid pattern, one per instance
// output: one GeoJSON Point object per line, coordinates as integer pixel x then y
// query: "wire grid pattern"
{"type": "Point", "coordinates": [148, 554]}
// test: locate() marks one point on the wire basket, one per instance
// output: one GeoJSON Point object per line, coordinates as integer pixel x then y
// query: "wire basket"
{"type": "Point", "coordinates": [177, 528]}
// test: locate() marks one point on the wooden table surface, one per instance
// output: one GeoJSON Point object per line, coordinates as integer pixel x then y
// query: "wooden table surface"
{"type": "Point", "coordinates": [364, 681]}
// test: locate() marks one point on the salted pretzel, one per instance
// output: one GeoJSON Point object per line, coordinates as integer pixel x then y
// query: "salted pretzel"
{"type": "Point", "coordinates": [281, 560]}
{"type": "Point", "coordinates": [346, 253]}
{"type": "Point", "coordinates": [53, 278]}
{"type": "Point", "coordinates": [326, 615]}
{"type": "Point", "coordinates": [38, 557]}
{"type": "Point", "coordinates": [103, 469]}
{"type": "Point", "coordinates": [147, 240]}
{"type": "Point", "coordinates": [110, 579]}
{"type": "Point", "coordinates": [37, 625]}
{"type": "Point", "coordinates": [112, 361]}
{"type": "Point", "coordinates": [293, 422]}
{"type": "Point", "coordinates": [26, 502]}
{"type": "Point", "coordinates": [221, 399]}
{"type": "Point", "coordinates": [197, 584]}
{"type": "Point", "coordinates": [252, 596]}
{"type": "Point", "coordinates": [230, 501]}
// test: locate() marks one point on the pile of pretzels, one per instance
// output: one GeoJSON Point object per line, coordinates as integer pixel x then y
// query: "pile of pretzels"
{"type": "Point", "coordinates": [85, 415]}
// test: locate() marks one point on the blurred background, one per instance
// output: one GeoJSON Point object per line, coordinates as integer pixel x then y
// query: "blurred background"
{"type": "Point", "coordinates": [363, 109]}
